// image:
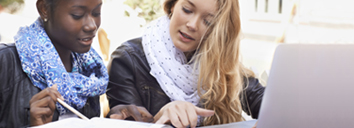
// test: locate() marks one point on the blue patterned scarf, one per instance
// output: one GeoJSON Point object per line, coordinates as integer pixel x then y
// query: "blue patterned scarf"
{"type": "Point", "coordinates": [42, 64]}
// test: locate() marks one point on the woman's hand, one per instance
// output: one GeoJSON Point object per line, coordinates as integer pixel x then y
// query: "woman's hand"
{"type": "Point", "coordinates": [42, 106]}
{"type": "Point", "coordinates": [181, 114]}
{"type": "Point", "coordinates": [124, 111]}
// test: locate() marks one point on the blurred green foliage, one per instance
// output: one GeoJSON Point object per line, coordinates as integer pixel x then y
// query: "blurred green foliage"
{"type": "Point", "coordinates": [11, 5]}
{"type": "Point", "coordinates": [150, 9]}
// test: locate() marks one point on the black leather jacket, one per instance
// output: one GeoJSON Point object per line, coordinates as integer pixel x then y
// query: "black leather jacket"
{"type": "Point", "coordinates": [131, 82]}
{"type": "Point", "coordinates": [16, 90]}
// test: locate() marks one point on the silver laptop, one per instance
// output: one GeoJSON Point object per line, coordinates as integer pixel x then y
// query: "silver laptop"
{"type": "Point", "coordinates": [310, 86]}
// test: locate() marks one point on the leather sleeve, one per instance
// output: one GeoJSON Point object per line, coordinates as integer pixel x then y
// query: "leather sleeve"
{"type": "Point", "coordinates": [252, 97]}
{"type": "Point", "coordinates": [121, 87]}
{"type": "Point", "coordinates": [16, 89]}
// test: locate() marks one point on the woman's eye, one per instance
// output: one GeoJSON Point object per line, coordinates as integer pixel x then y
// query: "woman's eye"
{"type": "Point", "coordinates": [96, 14]}
{"type": "Point", "coordinates": [206, 22]}
{"type": "Point", "coordinates": [186, 10]}
{"type": "Point", "coordinates": [76, 16]}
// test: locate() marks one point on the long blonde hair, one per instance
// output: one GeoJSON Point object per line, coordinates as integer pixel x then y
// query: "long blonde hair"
{"type": "Point", "coordinates": [221, 72]}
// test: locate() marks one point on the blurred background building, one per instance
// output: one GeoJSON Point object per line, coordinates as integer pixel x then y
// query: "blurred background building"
{"type": "Point", "coordinates": [266, 23]}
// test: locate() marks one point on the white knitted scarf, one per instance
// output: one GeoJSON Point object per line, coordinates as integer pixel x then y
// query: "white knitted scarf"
{"type": "Point", "coordinates": [177, 78]}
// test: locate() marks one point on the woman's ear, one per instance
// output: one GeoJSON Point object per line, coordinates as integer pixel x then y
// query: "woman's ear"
{"type": "Point", "coordinates": [42, 9]}
{"type": "Point", "coordinates": [172, 9]}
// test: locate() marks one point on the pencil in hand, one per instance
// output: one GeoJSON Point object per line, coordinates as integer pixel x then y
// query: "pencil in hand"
{"type": "Point", "coordinates": [72, 109]}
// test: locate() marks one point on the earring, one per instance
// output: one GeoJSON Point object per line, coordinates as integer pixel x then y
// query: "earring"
{"type": "Point", "coordinates": [45, 19]}
{"type": "Point", "coordinates": [170, 15]}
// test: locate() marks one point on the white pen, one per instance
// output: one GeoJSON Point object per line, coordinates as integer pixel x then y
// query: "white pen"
{"type": "Point", "coordinates": [72, 109]}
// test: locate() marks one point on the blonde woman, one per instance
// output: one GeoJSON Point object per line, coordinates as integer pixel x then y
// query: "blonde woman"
{"type": "Point", "coordinates": [185, 70]}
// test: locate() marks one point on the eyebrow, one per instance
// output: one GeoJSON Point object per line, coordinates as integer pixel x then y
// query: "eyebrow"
{"type": "Point", "coordinates": [190, 2]}
{"type": "Point", "coordinates": [209, 14]}
{"type": "Point", "coordinates": [84, 7]}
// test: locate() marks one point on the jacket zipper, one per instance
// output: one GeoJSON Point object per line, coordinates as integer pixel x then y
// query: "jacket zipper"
{"type": "Point", "coordinates": [147, 88]}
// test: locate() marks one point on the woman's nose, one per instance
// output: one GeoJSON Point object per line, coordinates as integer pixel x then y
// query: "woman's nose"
{"type": "Point", "coordinates": [90, 24]}
{"type": "Point", "coordinates": [192, 24]}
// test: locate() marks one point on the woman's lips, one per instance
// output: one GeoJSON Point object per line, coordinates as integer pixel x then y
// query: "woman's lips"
{"type": "Point", "coordinates": [86, 40]}
{"type": "Point", "coordinates": [185, 37]}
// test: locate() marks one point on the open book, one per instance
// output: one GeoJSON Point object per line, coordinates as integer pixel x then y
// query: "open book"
{"type": "Point", "coordinates": [108, 123]}
{"type": "Point", "coordinates": [243, 124]}
{"type": "Point", "coordinates": [100, 123]}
